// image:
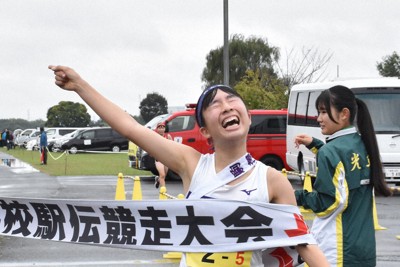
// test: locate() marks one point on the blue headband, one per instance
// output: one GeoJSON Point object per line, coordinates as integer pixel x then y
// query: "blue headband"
{"type": "Point", "coordinates": [199, 106]}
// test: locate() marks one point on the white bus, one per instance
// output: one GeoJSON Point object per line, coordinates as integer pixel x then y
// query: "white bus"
{"type": "Point", "coordinates": [382, 96]}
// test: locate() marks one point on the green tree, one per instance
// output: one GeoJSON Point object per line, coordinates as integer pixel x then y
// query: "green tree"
{"type": "Point", "coordinates": [262, 93]}
{"type": "Point", "coordinates": [152, 105]}
{"type": "Point", "coordinates": [68, 114]}
{"type": "Point", "coordinates": [244, 54]}
{"type": "Point", "coordinates": [99, 123]}
{"type": "Point", "coordinates": [390, 66]}
{"type": "Point", "coordinates": [13, 124]}
{"type": "Point", "coordinates": [139, 119]}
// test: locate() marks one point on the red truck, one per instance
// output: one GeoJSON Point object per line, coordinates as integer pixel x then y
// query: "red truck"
{"type": "Point", "coordinates": [266, 139]}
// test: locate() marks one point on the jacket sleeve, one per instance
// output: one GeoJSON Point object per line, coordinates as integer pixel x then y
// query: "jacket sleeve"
{"type": "Point", "coordinates": [315, 145]}
{"type": "Point", "coordinates": [324, 200]}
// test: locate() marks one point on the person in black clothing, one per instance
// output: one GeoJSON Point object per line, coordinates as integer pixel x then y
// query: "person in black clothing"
{"type": "Point", "coordinates": [9, 139]}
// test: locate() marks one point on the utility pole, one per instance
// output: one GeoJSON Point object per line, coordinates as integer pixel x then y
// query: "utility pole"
{"type": "Point", "coordinates": [226, 44]}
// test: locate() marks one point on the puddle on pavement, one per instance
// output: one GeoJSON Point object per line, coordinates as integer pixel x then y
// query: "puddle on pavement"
{"type": "Point", "coordinates": [17, 166]}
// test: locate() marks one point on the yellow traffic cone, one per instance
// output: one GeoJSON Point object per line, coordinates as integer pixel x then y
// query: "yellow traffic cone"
{"type": "Point", "coordinates": [163, 190]}
{"type": "Point", "coordinates": [120, 190]}
{"type": "Point", "coordinates": [307, 214]}
{"type": "Point", "coordinates": [137, 189]}
{"type": "Point", "coordinates": [170, 255]}
{"type": "Point", "coordinates": [375, 215]}
{"type": "Point", "coordinates": [284, 172]}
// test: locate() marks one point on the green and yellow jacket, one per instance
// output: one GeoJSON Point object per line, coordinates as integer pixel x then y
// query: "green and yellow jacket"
{"type": "Point", "coordinates": [342, 200]}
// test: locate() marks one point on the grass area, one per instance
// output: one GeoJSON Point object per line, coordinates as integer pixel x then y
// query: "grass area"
{"type": "Point", "coordinates": [59, 164]}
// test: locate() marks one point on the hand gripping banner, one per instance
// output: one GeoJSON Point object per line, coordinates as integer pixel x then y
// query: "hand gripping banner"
{"type": "Point", "coordinates": [175, 225]}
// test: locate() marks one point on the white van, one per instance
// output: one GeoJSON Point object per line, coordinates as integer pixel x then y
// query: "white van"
{"type": "Point", "coordinates": [22, 138]}
{"type": "Point", "coordinates": [53, 134]}
{"type": "Point", "coordinates": [382, 96]}
{"type": "Point", "coordinates": [32, 137]}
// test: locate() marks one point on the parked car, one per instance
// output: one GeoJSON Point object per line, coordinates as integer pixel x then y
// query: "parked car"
{"type": "Point", "coordinates": [96, 139]}
{"type": "Point", "coordinates": [56, 133]}
{"type": "Point", "coordinates": [58, 142]}
{"type": "Point", "coordinates": [33, 144]}
{"type": "Point", "coordinates": [22, 138]}
{"type": "Point", "coordinates": [32, 137]}
{"type": "Point", "coordinates": [17, 132]}
{"type": "Point", "coordinates": [52, 135]}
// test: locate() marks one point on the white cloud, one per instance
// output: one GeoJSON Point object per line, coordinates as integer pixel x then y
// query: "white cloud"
{"type": "Point", "coordinates": [129, 48]}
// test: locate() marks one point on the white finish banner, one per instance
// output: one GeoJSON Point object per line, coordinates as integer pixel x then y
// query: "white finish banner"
{"type": "Point", "coordinates": [164, 225]}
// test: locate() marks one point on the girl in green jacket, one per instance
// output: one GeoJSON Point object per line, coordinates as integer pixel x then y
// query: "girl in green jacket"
{"type": "Point", "coordinates": [349, 169]}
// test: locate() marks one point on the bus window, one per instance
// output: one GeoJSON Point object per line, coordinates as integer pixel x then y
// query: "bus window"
{"type": "Point", "coordinates": [312, 113]}
{"type": "Point", "coordinates": [301, 108]}
{"type": "Point", "coordinates": [292, 108]}
{"type": "Point", "coordinates": [384, 111]}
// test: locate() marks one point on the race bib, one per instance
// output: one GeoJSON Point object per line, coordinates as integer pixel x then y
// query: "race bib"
{"type": "Point", "coordinates": [225, 259]}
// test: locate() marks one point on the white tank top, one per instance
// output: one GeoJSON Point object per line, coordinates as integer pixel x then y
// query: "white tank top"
{"type": "Point", "coordinates": [253, 188]}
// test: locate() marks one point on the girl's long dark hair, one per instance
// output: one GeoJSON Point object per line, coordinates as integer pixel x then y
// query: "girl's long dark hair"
{"type": "Point", "coordinates": [366, 129]}
{"type": "Point", "coordinates": [341, 97]}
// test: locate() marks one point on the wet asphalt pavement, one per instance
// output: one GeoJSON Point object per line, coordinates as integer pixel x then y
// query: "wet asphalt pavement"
{"type": "Point", "coordinates": [20, 180]}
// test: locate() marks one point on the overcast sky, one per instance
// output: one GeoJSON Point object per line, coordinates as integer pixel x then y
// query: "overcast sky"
{"type": "Point", "coordinates": [129, 48]}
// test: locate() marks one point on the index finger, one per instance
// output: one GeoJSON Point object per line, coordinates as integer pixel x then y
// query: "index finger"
{"type": "Point", "coordinates": [52, 67]}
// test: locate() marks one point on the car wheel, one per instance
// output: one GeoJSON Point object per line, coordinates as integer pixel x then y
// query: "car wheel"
{"type": "Point", "coordinates": [115, 149]}
{"type": "Point", "coordinates": [273, 161]}
{"type": "Point", "coordinates": [73, 150]}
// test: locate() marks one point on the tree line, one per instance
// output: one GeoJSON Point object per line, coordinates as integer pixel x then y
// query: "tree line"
{"type": "Point", "coordinates": [256, 70]}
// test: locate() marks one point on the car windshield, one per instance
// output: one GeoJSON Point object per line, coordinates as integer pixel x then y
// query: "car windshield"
{"type": "Point", "coordinates": [75, 133]}
{"type": "Point", "coordinates": [153, 122]}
